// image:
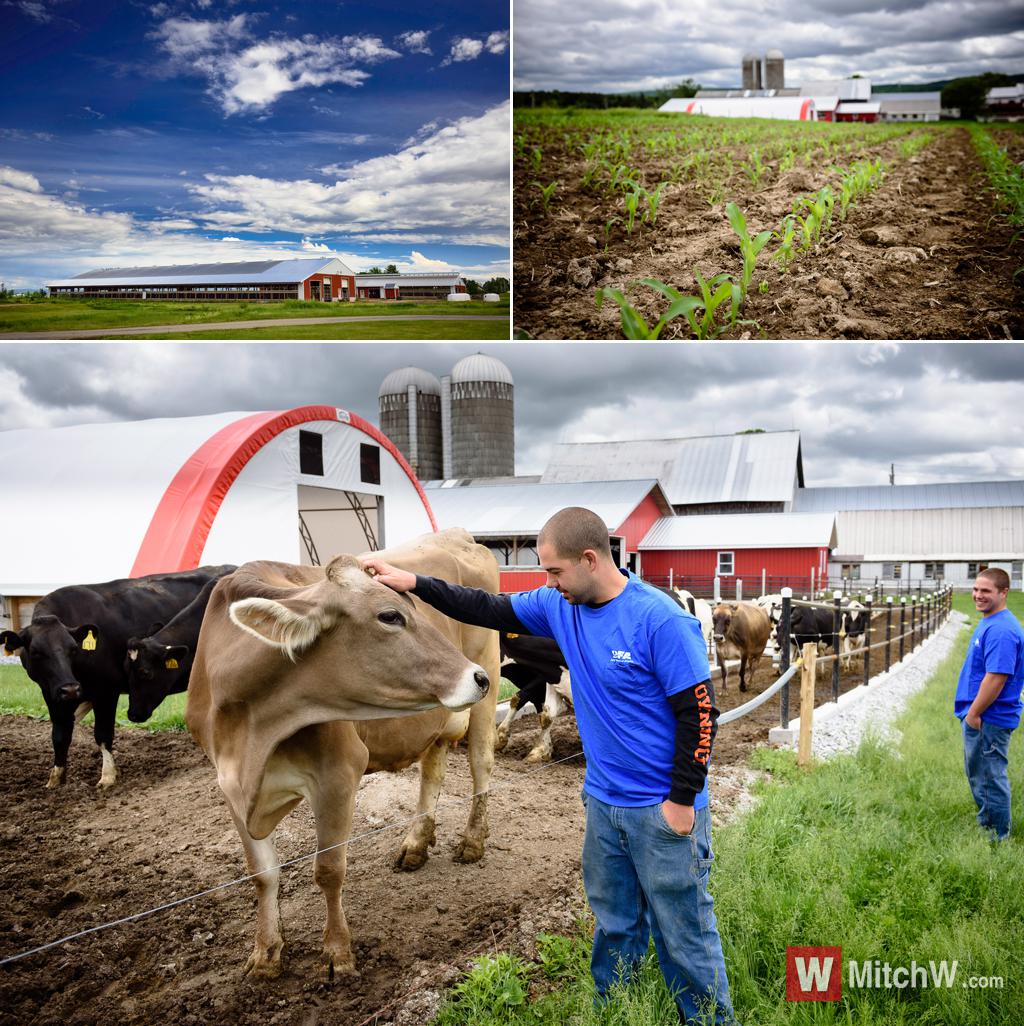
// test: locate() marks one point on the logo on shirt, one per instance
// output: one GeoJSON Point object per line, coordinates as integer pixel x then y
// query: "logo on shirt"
{"type": "Point", "coordinates": [618, 656]}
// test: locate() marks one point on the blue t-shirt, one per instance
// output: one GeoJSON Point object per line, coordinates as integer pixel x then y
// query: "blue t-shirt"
{"type": "Point", "coordinates": [997, 646]}
{"type": "Point", "coordinates": [625, 658]}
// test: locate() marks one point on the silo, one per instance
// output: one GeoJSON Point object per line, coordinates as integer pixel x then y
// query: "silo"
{"type": "Point", "coordinates": [410, 415]}
{"type": "Point", "coordinates": [775, 70]}
{"type": "Point", "coordinates": [751, 71]}
{"type": "Point", "coordinates": [482, 434]}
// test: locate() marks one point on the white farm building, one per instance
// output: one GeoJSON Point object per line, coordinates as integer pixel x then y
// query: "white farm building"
{"type": "Point", "coordinates": [95, 502]}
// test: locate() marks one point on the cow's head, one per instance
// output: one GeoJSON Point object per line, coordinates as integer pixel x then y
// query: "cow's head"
{"type": "Point", "coordinates": [853, 618]}
{"type": "Point", "coordinates": [48, 650]}
{"type": "Point", "coordinates": [722, 619]}
{"type": "Point", "coordinates": [154, 671]}
{"type": "Point", "coordinates": [359, 647]}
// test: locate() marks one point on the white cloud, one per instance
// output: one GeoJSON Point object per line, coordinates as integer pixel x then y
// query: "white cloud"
{"type": "Point", "coordinates": [230, 238]}
{"type": "Point", "coordinates": [315, 247]}
{"type": "Point", "coordinates": [418, 262]}
{"type": "Point", "coordinates": [465, 48]}
{"type": "Point", "coordinates": [19, 180]}
{"type": "Point", "coordinates": [36, 10]}
{"type": "Point", "coordinates": [248, 76]}
{"type": "Point", "coordinates": [414, 42]}
{"type": "Point", "coordinates": [455, 181]}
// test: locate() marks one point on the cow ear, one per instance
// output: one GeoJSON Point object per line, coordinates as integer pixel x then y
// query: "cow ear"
{"type": "Point", "coordinates": [174, 655]}
{"type": "Point", "coordinates": [11, 642]}
{"type": "Point", "coordinates": [86, 635]}
{"type": "Point", "coordinates": [290, 626]}
{"type": "Point", "coordinates": [340, 565]}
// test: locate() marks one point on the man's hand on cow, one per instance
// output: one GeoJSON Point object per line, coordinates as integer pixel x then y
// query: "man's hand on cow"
{"type": "Point", "coordinates": [397, 580]}
{"type": "Point", "coordinates": [679, 817]}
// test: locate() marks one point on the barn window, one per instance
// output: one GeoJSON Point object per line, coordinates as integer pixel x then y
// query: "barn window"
{"type": "Point", "coordinates": [892, 571]}
{"type": "Point", "coordinates": [369, 464]}
{"type": "Point", "coordinates": [851, 571]}
{"type": "Point", "coordinates": [973, 569]}
{"type": "Point", "coordinates": [934, 571]}
{"type": "Point", "coordinates": [725, 564]}
{"type": "Point", "coordinates": [311, 453]}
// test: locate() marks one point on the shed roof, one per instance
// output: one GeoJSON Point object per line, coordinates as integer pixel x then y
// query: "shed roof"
{"type": "Point", "coordinates": [743, 531]}
{"type": "Point", "coordinates": [247, 272]}
{"type": "Point", "coordinates": [945, 534]}
{"type": "Point", "coordinates": [956, 495]}
{"type": "Point", "coordinates": [521, 510]}
{"type": "Point", "coordinates": [763, 467]}
{"type": "Point", "coordinates": [790, 108]}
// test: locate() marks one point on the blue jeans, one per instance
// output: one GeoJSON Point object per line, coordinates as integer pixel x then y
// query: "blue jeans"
{"type": "Point", "coordinates": [986, 754]}
{"type": "Point", "coordinates": [643, 879]}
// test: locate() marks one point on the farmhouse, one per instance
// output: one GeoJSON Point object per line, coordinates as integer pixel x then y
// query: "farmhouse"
{"type": "Point", "coordinates": [296, 485]}
{"type": "Point", "coordinates": [255, 281]}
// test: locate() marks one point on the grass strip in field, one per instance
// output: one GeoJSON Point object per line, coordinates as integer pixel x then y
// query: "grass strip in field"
{"type": "Point", "coordinates": [877, 852]}
{"type": "Point", "coordinates": [52, 314]}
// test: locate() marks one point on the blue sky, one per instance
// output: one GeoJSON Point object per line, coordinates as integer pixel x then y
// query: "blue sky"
{"type": "Point", "coordinates": [183, 130]}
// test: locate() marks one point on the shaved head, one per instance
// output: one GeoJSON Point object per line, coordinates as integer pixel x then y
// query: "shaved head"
{"type": "Point", "coordinates": [571, 531]}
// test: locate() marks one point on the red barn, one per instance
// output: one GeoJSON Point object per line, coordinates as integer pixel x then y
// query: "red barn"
{"type": "Point", "coordinates": [776, 549]}
{"type": "Point", "coordinates": [506, 516]}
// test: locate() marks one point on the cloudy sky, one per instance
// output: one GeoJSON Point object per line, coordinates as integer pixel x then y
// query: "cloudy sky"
{"type": "Point", "coordinates": [622, 45]}
{"type": "Point", "coordinates": [171, 131]}
{"type": "Point", "coordinates": [939, 412]}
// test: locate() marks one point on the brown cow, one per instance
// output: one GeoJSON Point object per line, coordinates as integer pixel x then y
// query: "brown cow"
{"type": "Point", "coordinates": [298, 675]}
{"type": "Point", "coordinates": [741, 632]}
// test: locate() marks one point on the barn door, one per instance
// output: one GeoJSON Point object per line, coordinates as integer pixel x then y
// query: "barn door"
{"type": "Point", "coordinates": [332, 521]}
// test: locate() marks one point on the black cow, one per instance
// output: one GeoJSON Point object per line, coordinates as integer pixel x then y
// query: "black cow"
{"type": "Point", "coordinates": [74, 649]}
{"type": "Point", "coordinates": [159, 665]}
{"type": "Point", "coordinates": [810, 625]}
{"type": "Point", "coordinates": [539, 671]}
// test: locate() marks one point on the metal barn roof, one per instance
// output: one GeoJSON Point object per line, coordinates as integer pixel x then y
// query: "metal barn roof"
{"type": "Point", "coordinates": [743, 531]}
{"type": "Point", "coordinates": [957, 495]}
{"type": "Point", "coordinates": [248, 272]}
{"type": "Point", "coordinates": [762, 467]}
{"type": "Point", "coordinates": [510, 510]}
{"type": "Point", "coordinates": [943, 534]}
{"type": "Point", "coordinates": [789, 108]}
{"type": "Point", "coordinates": [419, 278]}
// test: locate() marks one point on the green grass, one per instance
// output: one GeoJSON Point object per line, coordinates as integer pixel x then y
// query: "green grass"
{"type": "Point", "coordinates": [458, 328]}
{"type": "Point", "coordinates": [19, 695]}
{"type": "Point", "coordinates": [54, 314]}
{"type": "Point", "coordinates": [876, 852]}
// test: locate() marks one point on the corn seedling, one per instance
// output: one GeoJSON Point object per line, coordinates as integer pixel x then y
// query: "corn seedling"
{"type": "Point", "coordinates": [538, 156]}
{"type": "Point", "coordinates": [653, 202]}
{"type": "Point", "coordinates": [608, 229]}
{"type": "Point", "coordinates": [755, 169]}
{"type": "Point", "coordinates": [634, 326]}
{"type": "Point", "coordinates": [547, 191]}
{"type": "Point", "coordinates": [785, 254]}
{"type": "Point", "coordinates": [749, 248]}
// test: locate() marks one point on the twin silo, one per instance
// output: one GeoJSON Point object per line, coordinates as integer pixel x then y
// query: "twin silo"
{"type": "Point", "coordinates": [764, 72]}
{"type": "Point", "coordinates": [461, 425]}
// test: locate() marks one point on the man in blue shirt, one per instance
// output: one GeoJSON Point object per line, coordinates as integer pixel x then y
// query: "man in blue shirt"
{"type": "Point", "coordinates": [988, 700]}
{"type": "Point", "coordinates": [645, 709]}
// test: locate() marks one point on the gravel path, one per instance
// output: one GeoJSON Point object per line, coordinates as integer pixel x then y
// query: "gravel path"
{"type": "Point", "coordinates": [884, 700]}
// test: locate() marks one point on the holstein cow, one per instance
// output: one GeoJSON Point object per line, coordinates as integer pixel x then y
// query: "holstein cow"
{"type": "Point", "coordinates": [810, 625]}
{"type": "Point", "coordinates": [741, 632]}
{"type": "Point", "coordinates": [297, 681]}
{"type": "Point", "coordinates": [159, 665]}
{"type": "Point", "coordinates": [539, 672]}
{"type": "Point", "coordinates": [75, 646]}
{"type": "Point", "coordinates": [855, 617]}
{"type": "Point", "coordinates": [699, 608]}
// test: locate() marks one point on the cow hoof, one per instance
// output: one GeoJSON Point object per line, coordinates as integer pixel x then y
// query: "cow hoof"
{"type": "Point", "coordinates": [467, 851]}
{"type": "Point", "coordinates": [106, 783]}
{"type": "Point", "coordinates": [539, 755]}
{"type": "Point", "coordinates": [743, 687]}
{"type": "Point", "coordinates": [337, 967]}
{"type": "Point", "coordinates": [410, 859]}
{"type": "Point", "coordinates": [500, 742]}
{"type": "Point", "coordinates": [264, 965]}
{"type": "Point", "coordinates": [56, 778]}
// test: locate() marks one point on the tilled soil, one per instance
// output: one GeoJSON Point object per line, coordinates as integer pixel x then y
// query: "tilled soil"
{"type": "Point", "coordinates": [74, 858]}
{"type": "Point", "coordinates": [920, 257]}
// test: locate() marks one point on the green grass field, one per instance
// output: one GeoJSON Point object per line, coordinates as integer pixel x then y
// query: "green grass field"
{"type": "Point", "coordinates": [877, 852]}
{"type": "Point", "coordinates": [46, 314]}
{"type": "Point", "coordinates": [471, 328]}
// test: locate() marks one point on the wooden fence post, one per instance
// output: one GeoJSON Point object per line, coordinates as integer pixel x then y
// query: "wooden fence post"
{"type": "Point", "coordinates": [867, 642]}
{"type": "Point", "coordinates": [807, 677]}
{"type": "Point", "coordinates": [888, 633]}
{"type": "Point", "coordinates": [836, 621]}
{"type": "Point", "coordinates": [783, 638]}
{"type": "Point", "coordinates": [903, 626]}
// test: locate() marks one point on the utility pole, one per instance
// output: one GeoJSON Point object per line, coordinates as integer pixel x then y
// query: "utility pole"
{"type": "Point", "coordinates": [892, 473]}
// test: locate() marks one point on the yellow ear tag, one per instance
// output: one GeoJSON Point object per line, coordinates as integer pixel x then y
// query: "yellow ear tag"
{"type": "Point", "coordinates": [171, 664]}
{"type": "Point", "coordinates": [90, 643]}
{"type": "Point", "coordinates": [510, 636]}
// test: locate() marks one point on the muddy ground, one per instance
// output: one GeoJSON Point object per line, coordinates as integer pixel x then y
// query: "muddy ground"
{"type": "Point", "coordinates": [75, 858]}
{"type": "Point", "coordinates": [922, 257]}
